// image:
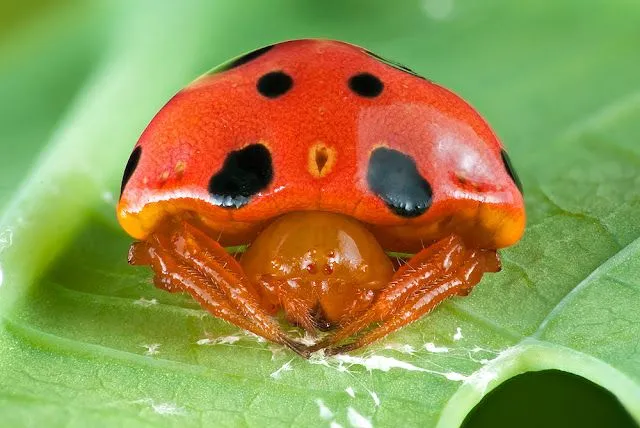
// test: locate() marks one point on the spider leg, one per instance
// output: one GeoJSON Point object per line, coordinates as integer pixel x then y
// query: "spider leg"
{"type": "Point", "coordinates": [430, 262]}
{"type": "Point", "coordinates": [423, 300]}
{"type": "Point", "coordinates": [360, 301]}
{"type": "Point", "coordinates": [430, 273]}
{"type": "Point", "coordinates": [297, 309]}
{"type": "Point", "coordinates": [186, 259]}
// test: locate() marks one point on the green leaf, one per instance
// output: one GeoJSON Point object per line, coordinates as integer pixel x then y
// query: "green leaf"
{"type": "Point", "coordinates": [85, 338]}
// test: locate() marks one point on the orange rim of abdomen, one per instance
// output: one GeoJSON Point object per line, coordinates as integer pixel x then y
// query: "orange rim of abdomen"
{"type": "Point", "coordinates": [481, 224]}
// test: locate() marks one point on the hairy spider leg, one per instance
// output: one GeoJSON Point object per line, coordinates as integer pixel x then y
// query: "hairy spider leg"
{"type": "Point", "coordinates": [440, 270]}
{"type": "Point", "coordinates": [425, 299]}
{"type": "Point", "coordinates": [185, 258]}
{"type": "Point", "coordinates": [430, 262]}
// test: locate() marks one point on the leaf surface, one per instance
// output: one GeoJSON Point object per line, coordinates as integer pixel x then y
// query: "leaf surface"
{"type": "Point", "coordinates": [86, 338]}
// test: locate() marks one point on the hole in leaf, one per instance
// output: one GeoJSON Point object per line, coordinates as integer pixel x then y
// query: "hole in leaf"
{"type": "Point", "coordinates": [549, 398]}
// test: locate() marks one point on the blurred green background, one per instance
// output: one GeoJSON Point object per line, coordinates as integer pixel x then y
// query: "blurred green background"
{"type": "Point", "coordinates": [79, 80]}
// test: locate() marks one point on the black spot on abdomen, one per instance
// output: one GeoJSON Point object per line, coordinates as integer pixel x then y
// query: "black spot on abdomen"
{"type": "Point", "coordinates": [393, 177]}
{"type": "Point", "coordinates": [132, 164]}
{"type": "Point", "coordinates": [244, 173]}
{"type": "Point", "coordinates": [274, 84]}
{"type": "Point", "coordinates": [509, 167]}
{"type": "Point", "coordinates": [366, 85]}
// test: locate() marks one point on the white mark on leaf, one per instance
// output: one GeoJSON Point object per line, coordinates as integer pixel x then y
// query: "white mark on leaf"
{"type": "Point", "coordinates": [476, 350]}
{"type": "Point", "coordinates": [405, 349]}
{"type": "Point", "coordinates": [431, 347]}
{"type": "Point", "coordinates": [169, 409]}
{"type": "Point", "coordinates": [459, 377]}
{"type": "Point", "coordinates": [152, 349]}
{"type": "Point", "coordinates": [376, 362]}
{"type": "Point", "coordinates": [223, 340]}
{"type": "Point", "coordinates": [481, 378]}
{"type": "Point", "coordinates": [351, 392]}
{"type": "Point", "coordinates": [145, 302]}
{"type": "Point", "coordinates": [458, 334]}
{"type": "Point", "coordinates": [257, 338]}
{"type": "Point", "coordinates": [308, 339]}
{"type": "Point", "coordinates": [356, 420]}
{"type": "Point", "coordinates": [286, 367]}
{"type": "Point", "coordinates": [325, 412]}
{"type": "Point", "coordinates": [376, 399]}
